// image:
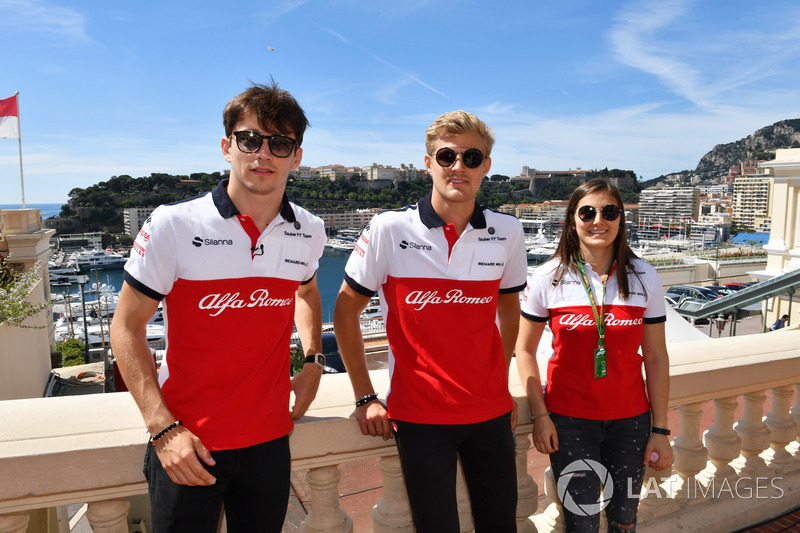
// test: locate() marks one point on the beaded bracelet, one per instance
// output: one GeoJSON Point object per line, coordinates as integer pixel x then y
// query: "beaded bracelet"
{"type": "Point", "coordinates": [534, 417]}
{"type": "Point", "coordinates": [366, 399]}
{"type": "Point", "coordinates": [164, 431]}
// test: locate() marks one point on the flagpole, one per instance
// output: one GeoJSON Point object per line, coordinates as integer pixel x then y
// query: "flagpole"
{"type": "Point", "coordinates": [19, 138]}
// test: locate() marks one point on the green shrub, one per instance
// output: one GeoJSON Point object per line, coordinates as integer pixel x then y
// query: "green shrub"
{"type": "Point", "coordinates": [72, 352]}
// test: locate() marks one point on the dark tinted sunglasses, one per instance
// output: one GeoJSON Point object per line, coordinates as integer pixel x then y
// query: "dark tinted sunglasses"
{"type": "Point", "coordinates": [587, 213]}
{"type": "Point", "coordinates": [471, 157]}
{"type": "Point", "coordinates": [250, 141]}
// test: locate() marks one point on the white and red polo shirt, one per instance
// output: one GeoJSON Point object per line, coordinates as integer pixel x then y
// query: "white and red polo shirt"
{"type": "Point", "coordinates": [439, 303]}
{"type": "Point", "coordinates": [571, 388]}
{"type": "Point", "coordinates": [228, 295]}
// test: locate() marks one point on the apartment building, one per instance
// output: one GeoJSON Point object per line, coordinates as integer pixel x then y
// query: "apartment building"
{"type": "Point", "coordinates": [133, 218]}
{"type": "Point", "coordinates": [752, 195]}
{"type": "Point", "coordinates": [347, 220]}
{"type": "Point", "coordinates": [669, 203]}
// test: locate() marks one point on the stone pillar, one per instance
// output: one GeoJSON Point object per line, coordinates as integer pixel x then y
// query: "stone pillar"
{"type": "Point", "coordinates": [25, 353]}
{"type": "Point", "coordinates": [782, 430]}
{"type": "Point", "coordinates": [527, 489]}
{"type": "Point", "coordinates": [755, 438]}
{"type": "Point", "coordinates": [392, 513]}
{"type": "Point", "coordinates": [14, 522]}
{"type": "Point", "coordinates": [794, 447]}
{"type": "Point", "coordinates": [552, 519]}
{"type": "Point", "coordinates": [326, 515]}
{"type": "Point", "coordinates": [654, 499]}
{"type": "Point", "coordinates": [109, 516]}
{"type": "Point", "coordinates": [723, 445]}
{"type": "Point", "coordinates": [690, 454]}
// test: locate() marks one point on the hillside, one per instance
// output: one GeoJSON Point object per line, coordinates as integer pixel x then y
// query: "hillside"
{"type": "Point", "coordinates": [759, 145]}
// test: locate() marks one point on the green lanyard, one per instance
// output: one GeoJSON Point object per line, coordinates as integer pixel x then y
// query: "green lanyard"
{"type": "Point", "coordinates": [600, 366]}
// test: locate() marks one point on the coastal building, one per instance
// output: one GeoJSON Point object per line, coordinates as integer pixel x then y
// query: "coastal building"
{"type": "Point", "coordinates": [752, 195]}
{"type": "Point", "coordinates": [133, 218]}
{"type": "Point", "coordinates": [669, 204]}
{"type": "Point", "coordinates": [304, 173]}
{"type": "Point", "coordinates": [339, 220]}
{"type": "Point", "coordinates": [784, 237]}
{"type": "Point", "coordinates": [78, 241]}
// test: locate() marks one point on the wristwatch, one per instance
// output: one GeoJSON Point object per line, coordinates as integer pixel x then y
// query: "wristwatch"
{"type": "Point", "coordinates": [317, 358]}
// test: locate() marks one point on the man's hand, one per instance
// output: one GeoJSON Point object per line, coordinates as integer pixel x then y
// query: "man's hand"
{"type": "Point", "coordinates": [178, 452]}
{"type": "Point", "coordinates": [373, 421]}
{"type": "Point", "coordinates": [305, 384]}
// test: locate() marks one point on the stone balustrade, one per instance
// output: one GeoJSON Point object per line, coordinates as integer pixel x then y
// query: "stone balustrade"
{"type": "Point", "coordinates": [737, 455]}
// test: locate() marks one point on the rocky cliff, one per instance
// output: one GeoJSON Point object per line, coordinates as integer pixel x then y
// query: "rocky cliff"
{"type": "Point", "coordinates": [783, 134]}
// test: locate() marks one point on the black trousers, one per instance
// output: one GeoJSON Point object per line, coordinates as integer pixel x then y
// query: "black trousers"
{"type": "Point", "coordinates": [252, 483]}
{"type": "Point", "coordinates": [429, 458]}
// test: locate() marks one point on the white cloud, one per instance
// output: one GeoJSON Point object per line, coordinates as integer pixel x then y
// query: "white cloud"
{"type": "Point", "coordinates": [34, 16]}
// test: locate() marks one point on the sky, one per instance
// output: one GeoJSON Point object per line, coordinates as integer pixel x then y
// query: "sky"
{"type": "Point", "coordinates": [115, 88]}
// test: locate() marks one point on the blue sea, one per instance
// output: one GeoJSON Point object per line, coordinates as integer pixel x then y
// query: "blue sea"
{"type": "Point", "coordinates": [46, 210]}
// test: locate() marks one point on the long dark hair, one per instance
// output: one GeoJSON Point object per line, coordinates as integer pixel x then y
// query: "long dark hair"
{"type": "Point", "coordinates": [569, 245]}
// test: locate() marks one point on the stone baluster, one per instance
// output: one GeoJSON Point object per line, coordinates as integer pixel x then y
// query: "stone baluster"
{"type": "Point", "coordinates": [464, 507]}
{"type": "Point", "coordinates": [527, 489]}
{"type": "Point", "coordinates": [392, 513]}
{"type": "Point", "coordinates": [782, 430]}
{"type": "Point", "coordinates": [552, 519]}
{"type": "Point", "coordinates": [109, 516]}
{"type": "Point", "coordinates": [690, 455]}
{"type": "Point", "coordinates": [14, 522]}
{"type": "Point", "coordinates": [755, 438]}
{"type": "Point", "coordinates": [655, 500]}
{"type": "Point", "coordinates": [723, 445]}
{"type": "Point", "coordinates": [794, 447]}
{"type": "Point", "coordinates": [326, 514]}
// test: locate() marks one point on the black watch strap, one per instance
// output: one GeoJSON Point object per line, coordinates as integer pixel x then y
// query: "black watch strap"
{"type": "Point", "coordinates": [660, 431]}
{"type": "Point", "coordinates": [317, 359]}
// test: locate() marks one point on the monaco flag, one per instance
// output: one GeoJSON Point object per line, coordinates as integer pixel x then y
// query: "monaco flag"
{"type": "Point", "coordinates": [9, 118]}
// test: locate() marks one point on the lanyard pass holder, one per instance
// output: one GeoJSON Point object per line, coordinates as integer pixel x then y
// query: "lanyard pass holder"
{"type": "Point", "coordinates": [600, 364]}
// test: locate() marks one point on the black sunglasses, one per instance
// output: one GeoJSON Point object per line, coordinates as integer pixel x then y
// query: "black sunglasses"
{"type": "Point", "coordinates": [471, 157]}
{"type": "Point", "coordinates": [250, 141]}
{"type": "Point", "coordinates": [587, 213]}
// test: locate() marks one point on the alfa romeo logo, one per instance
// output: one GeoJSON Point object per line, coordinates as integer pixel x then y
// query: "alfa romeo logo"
{"type": "Point", "coordinates": [585, 465]}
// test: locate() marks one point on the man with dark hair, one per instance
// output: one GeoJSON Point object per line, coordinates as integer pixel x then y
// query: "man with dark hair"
{"type": "Point", "coordinates": [449, 272]}
{"type": "Point", "coordinates": [781, 322]}
{"type": "Point", "coordinates": [234, 268]}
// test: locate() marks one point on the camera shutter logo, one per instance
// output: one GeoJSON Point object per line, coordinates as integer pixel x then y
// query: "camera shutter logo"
{"type": "Point", "coordinates": [585, 465]}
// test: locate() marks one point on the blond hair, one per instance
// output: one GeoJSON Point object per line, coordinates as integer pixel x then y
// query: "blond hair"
{"type": "Point", "coordinates": [455, 123]}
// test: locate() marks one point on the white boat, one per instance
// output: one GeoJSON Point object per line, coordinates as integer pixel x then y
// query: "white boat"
{"type": "Point", "coordinates": [98, 259]}
{"type": "Point", "coordinates": [373, 309]}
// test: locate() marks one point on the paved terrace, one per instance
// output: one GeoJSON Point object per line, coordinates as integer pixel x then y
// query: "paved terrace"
{"type": "Point", "coordinates": [734, 420]}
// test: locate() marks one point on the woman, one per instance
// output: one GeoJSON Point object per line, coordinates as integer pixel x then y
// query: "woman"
{"type": "Point", "coordinates": [603, 304]}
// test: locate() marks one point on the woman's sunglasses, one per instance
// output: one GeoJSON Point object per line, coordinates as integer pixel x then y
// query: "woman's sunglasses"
{"type": "Point", "coordinates": [472, 157]}
{"type": "Point", "coordinates": [587, 213]}
{"type": "Point", "coordinates": [250, 141]}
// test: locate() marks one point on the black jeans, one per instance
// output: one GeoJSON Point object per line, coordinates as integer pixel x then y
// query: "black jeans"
{"type": "Point", "coordinates": [252, 483]}
{"type": "Point", "coordinates": [600, 453]}
{"type": "Point", "coordinates": [429, 455]}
